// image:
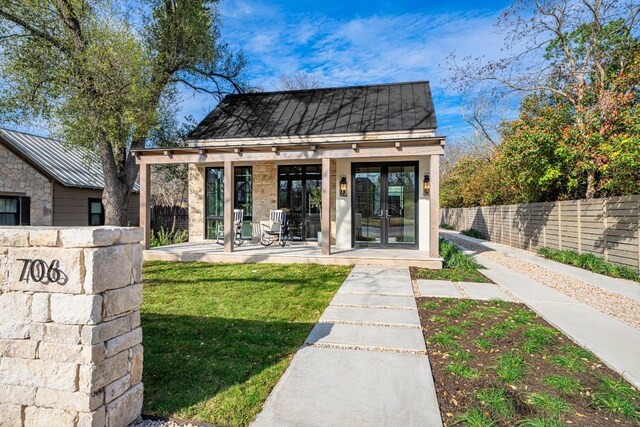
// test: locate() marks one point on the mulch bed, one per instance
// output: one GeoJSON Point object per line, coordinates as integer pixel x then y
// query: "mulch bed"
{"type": "Point", "coordinates": [469, 344]}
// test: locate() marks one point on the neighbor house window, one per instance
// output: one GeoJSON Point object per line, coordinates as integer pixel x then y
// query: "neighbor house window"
{"type": "Point", "coordinates": [9, 210]}
{"type": "Point", "coordinates": [96, 212]}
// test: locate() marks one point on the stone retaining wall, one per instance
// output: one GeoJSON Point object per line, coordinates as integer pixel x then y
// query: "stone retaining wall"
{"type": "Point", "coordinates": [70, 337]}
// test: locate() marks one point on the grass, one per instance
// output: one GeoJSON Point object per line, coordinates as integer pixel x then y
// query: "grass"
{"type": "Point", "coordinates": [563, 383]}
{"type": "Point", "coordinates": [462, 370]}
{"type": "Point", "coordinates": [472, 232]}
{"type": "Point", "coordinates": [457, 266]}
{"type": "Point", "coordinates": [510, 367]}
{"type": "Point", "coordinates": [217, 337]}
{"type": "Point", "coordinates": [496, 401]}
{"type": "Point", "coordinates": [474, 418]}
{"type": "Point", "coordinates": [589, 262]}
{"type": "Point", "coordinates": [499, 364]}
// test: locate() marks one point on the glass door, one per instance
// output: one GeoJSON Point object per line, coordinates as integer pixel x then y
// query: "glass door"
{"type": "Point", "coordinates": [299, 192]}
{"type": "Point", "coordinates": [385, 204]}
{"type": "Point", "coordinates": [367, 204]}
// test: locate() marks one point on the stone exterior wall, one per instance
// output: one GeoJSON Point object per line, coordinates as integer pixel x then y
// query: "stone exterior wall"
{"type": "Point", "coordinates": [70, 346]}
{"type": "Point", "coordinates": [20, 178]}
{"type": "Point", "coordinates": [196, 202]}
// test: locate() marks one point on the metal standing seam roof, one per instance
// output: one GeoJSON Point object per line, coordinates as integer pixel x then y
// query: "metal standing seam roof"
{"type": "Point", "coordinates": [69, 166]}
{"type": "Point", "coordinates": [355, 109]}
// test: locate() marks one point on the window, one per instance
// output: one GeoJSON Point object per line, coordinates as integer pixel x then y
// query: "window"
{"type": "Point", "coordinates": [96, 212]}
{"type": "Point", "coordinates": [214, 198]}
{"type": "Point", "coordinates": [9, 210]}
{"type": "Point", "coordinates": [298, 187]}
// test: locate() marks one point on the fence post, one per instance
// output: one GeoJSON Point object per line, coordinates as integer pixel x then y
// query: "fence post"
{"type": "Point", "coordinates": [544, 224]}
{"type": "Point", "coordinates": [530, 236]}
{"type": "Point", "coordinates": [579, 213]}
{"type": "Point", "coordinates": [559, 225]}
{"type": "Point", "coordinates": [605, 224]}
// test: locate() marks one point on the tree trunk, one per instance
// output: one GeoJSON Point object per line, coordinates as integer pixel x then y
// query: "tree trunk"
{"type": "Point", "coordinates": [117, 185]}
{"type": "Point", "coordinates": [591, 184]}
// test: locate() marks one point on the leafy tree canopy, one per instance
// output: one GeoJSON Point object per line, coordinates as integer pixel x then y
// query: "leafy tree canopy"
{"type": "Point", "coordinates": [106, 74]}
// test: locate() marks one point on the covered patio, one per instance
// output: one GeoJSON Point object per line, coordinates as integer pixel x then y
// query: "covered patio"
{"type": "Point", "coordinates": [371, 151]}
{"type": "Point", "coordinates": [297, 253]}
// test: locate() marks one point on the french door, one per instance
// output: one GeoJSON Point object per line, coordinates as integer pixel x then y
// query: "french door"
{"type": "Point", "coordinates": [385, 204]}
{"type": "Point", "coordinates": [299, 189]}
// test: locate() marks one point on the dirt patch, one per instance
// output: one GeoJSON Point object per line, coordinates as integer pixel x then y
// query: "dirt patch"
{"type": "Point", "coordinates": [501, 363]}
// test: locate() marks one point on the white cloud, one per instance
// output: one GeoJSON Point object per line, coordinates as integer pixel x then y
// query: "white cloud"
{"type": "Point", "coordinates": [362, 50]}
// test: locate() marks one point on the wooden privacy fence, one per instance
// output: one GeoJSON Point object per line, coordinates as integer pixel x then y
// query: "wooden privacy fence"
{"type": "Point", "coordinates": [169, 217]}
{"type": "Point", "coordinates": [607, 227]}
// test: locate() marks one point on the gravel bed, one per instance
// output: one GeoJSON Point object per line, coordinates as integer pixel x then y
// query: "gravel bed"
{"type": "Point", "coordinates": [623, 308]}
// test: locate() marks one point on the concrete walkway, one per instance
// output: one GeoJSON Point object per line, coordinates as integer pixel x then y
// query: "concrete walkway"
{"type": "Point", "coordinates": [364, 363]}
{"type": "Point", "coordinates": [615, 343]}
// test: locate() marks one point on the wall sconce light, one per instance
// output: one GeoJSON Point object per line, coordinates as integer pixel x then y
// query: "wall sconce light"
{"type": "Point", "coordinates": [426, 184]}
{"type": "Point", "coordinates": [343, 186]}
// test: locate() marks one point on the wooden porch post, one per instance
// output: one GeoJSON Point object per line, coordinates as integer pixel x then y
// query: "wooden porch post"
{"type": "Point", "coordinates": [434, 206]}
{"type": "Point", "coordinates": [228, 206]}
{"type": "Point", "coordinates": [145, 208]}
{"type": "Point", "coordinates": [325, 223]}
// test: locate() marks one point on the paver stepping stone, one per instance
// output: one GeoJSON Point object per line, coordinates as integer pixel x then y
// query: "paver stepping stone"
{"type": "Point", "coordinates": [376, 285]}
{"type": "Point", "coordinates": [484, 291]}
{"type": "Point", "coordinates": [336, 387]}
{"type": "Point", "coordinates": [438, 288]}
{"type": "Point", "coordinates": [400, 274]}
{"type": "Point", "coordinates": [368, 336]}
{"type": "Point", "coordinates": [374, 300]}
{"type": "Point", "coordinates": [387, 316]}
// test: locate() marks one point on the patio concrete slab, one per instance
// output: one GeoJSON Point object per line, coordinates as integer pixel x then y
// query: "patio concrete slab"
{"type": "Point", "coordinates": [334, 387]}
{"type": "Point", "coordinates": [386, 316]}
{"type": "Point", "coordinates": [438, 288]}
{"type": "Point", "coordinates": [615, 343]}
{"type": "Point", "coordinates": [377, 285]}
{"type": "Point", "coordinates": [484, 291]}
{"type": "Point", "coordinates": [380, 337]}
{"type": "Point", "coordinates": [383, 274]}
{"type": "Point", "coordinates": [374, 300]}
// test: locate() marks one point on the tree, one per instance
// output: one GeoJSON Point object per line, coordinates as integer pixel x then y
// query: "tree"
{"type": "Point", "coordinates": [297, 81]}
{"type": "Point", "coordinates": [571, 52]}
{"type": "Point", "coordinates": [106, 74]}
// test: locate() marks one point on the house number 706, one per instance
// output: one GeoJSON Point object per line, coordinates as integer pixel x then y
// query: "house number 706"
{"type": "Point", "coordinates": [38, 270]}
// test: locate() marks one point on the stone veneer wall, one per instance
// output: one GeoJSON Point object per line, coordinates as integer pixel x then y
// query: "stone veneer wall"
{"type": "Point", "coordinates": [70, 350]}
{"type": "Point", "coordinates": [20, 178]}
{"type": "Point", "coordinates": [265, 197]}
{"type": "Point", "coordinates": [196, 202]}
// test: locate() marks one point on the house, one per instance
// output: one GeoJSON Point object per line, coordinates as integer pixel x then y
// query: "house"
{"type": "Point", "coordinates": [370, 152]}
{"type": "Point", "coordinates": [45, 182]}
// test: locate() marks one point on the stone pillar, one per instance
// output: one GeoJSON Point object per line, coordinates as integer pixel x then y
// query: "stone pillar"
{"type": "Point", "coordinates": [70, 336]}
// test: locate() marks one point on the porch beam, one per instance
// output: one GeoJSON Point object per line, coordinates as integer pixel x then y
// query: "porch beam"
{"type": "Point", "coordinates": [286, 154]}
{"type": "Point", "coordinates": [145, 205]}
{"type": "Point", "coordinates": [228, 206]}
{"type": "Point", "coordinates": [325, 224]}
{"type": "Point", "coordinates": [434, 206]}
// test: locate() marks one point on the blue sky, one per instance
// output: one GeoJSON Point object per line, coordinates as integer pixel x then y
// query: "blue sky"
{"type": "Point", "coordinates": [359, 42]}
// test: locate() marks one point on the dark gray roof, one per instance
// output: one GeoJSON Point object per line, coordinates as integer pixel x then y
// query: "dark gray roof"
{"type": "Point", "coordinates": [386, 107]}
{"type": "Point", "coordinates": [56, 160]}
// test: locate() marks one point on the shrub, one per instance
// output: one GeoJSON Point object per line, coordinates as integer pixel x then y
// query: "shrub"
{"type": "Point", "coordinates": [446, 226]}
{"type": "Point", "coordinates": [455, 258]}
{"type": "Point", "coordinates": [589, 262]}
{"type": "Point", "coordinates": [166, 237]}
{"type": "Point", "coordinates": [471, 232]}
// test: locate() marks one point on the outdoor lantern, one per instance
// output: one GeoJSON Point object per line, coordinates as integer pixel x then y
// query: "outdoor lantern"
{"type": "Point", "coordinates": [343, 186]}
{"type": "Point", "coordinates": [426, 184]}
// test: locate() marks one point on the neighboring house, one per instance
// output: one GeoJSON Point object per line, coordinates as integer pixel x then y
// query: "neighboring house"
{"type": "Point", "coordinates": [44, 182]}
{"type": "Point", "coordinates": [371, 150]}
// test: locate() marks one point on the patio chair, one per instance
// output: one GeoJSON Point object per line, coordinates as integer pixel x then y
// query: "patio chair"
{"type": "Point", "coordinates": [274, 230]}
{"type": "Point", "coordinates": [238, 216]}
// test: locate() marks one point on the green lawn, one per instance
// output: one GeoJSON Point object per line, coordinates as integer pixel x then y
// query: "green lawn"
{"type": "Point", "coordinates": [457, 266]}
{"type": "Point", "coordinates": [217, 337]}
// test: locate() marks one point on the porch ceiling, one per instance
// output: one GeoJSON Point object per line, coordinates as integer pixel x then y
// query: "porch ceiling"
{"type": "Point", "coordinates": [261, 151]}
